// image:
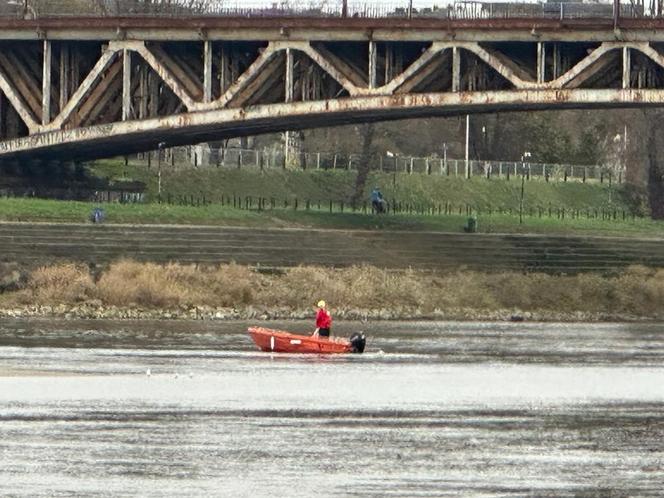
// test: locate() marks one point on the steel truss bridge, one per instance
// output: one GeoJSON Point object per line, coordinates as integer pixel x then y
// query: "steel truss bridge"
{"type": "Point", "coordinates": [80, 88]}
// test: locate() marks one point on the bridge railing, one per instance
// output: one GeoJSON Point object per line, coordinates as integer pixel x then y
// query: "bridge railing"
{"type": "Point", "coordinates": [462, 9]}
{"type": "Point", "coordinates": [203, 156]}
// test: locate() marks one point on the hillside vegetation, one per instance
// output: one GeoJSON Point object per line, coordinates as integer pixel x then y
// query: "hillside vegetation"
{"type": "Point", "coordinates": [480, 193]}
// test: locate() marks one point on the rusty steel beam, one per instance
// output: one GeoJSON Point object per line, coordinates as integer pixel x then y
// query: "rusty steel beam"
{"type": "Point", "coordinates": [416, 72]}
{"type": "Point", "coordinates": [96, 141]}
{"type": "Point", "coordinates": [99, 98]}
{"type": "Point", "coordinates": [180, 83]}
{"type": "Point", "coordinates": [25, 85]}
{"type": "Point", "coordinates": [341, 73]}
{"type": "Point", "coordinates": [577, 73]}
{"type": "Point", "coordinates": [18, 103]}
{"type": "Point", "coordinates": [507, 68]}
{"type": "Point", "coordinates": [46, 84]}
{"type": "Point", "coordinates": [84, 89]}
{"type": "Point", "coordinates": [260, 84]}
{"type": "Point", "coordinates": [456, 69]}
{"type": "Point", "coordinates": [207, 71]}
{"type": "Point", "coordinates": [283, 29]}
{"type": "Point", "coordinates": [126, 85]}
{"type": "Point", "coordinates": [626, 67]}
{"type": "Point", "coordinates": [250, 74]}
{"type": "Point", "coordinates": [267, 76]}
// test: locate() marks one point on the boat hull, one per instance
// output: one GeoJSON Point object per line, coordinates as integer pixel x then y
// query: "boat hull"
{"type": "Point", "coordinates": [279, 341]}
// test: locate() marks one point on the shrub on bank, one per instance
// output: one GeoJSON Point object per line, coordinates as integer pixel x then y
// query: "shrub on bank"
{"type": "Point", "coordinates": [62, 283]}
{"type": "Point", "coordinates": [129, 283]}
{"type": "Point", "coordinates": [637, 291]}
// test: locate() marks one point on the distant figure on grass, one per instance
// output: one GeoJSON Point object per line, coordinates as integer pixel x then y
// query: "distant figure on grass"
{"type": "Point", "coordinates": [323, 321]}
{"type": "Point", "coordinates": [377, 201]}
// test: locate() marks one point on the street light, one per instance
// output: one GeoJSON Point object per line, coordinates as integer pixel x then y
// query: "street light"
{"type": "Point", "coordinates": [523, 186]}
{"type": "Point", "coordinates": [160, 147]}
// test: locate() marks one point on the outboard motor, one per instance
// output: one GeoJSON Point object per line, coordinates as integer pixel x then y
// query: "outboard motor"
{"type": "Point", "coordinates": [357, 342]}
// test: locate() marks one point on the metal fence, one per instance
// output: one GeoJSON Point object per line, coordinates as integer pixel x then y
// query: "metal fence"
{"type": "Point", "coordinates": [316, 8]}
{"type": "Point", "coordinates": [204, 157]}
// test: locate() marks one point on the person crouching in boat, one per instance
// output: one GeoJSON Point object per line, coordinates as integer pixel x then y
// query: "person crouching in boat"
{"type": "Point", "coordinates": [323, 321]}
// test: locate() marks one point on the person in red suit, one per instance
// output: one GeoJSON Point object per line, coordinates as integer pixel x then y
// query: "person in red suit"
{"type": "Point", "coordinates": [323, 321]}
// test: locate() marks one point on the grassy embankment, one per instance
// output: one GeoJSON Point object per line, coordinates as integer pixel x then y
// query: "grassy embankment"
{"type": "Point", "coordinates": [481, 194]}
{"type": "Point", "coordinates": [130, 289]}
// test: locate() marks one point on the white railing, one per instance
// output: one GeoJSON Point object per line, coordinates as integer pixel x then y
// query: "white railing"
{"type": "Point", "coordinates": [208, 157]}
{"type": "Point", "coordinates": [460, 9]}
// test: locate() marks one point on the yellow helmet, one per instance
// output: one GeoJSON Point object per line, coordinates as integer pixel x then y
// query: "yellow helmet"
{"type": "Point", "coordinates": [321, 304]}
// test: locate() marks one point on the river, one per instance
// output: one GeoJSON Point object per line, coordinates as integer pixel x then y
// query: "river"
{"type": "Point", "coordinates": [186, 408]}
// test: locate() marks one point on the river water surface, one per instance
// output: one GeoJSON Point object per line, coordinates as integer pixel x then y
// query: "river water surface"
{"type": "Point", "coordinates": [121, 408]}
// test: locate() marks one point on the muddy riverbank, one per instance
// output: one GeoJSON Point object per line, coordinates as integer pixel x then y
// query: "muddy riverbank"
{"type": "Point", "coordinates": [100, 312]}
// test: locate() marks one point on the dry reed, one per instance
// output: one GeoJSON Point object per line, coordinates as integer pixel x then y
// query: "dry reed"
{"type": "Point", "coordinates": [62, 283]}
{"type": "Point", "coordinates": [636, 291]}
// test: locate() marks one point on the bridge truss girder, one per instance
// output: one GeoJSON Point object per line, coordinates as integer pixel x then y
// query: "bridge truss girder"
{"type": "Point", "coordinates": [59, 95]}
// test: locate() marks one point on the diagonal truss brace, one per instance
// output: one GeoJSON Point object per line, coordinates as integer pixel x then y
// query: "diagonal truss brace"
{"type": "Point", "coordinates": [83, 90]}
{"type": "Point", "coordinates": [415, 73]}
{"type": "Point", "coordinates": [19, 104]}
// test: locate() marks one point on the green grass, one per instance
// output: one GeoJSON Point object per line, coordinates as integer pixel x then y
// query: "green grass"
{"type": "Point", "coordinates": [337, 185]}
{"type": "Point", "coordinates": [215, 214]}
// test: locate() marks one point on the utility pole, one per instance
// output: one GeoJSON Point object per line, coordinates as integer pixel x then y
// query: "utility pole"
{"type": "Point", "coordinates": [344, 8]}
{"type": "Point", "coordinates": [410, 9]}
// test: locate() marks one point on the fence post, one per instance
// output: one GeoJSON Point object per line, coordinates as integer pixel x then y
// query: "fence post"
{"type": "Point", "coordinates": [334, 162]}
{"type": "Point", "coordinates": [318, 160]}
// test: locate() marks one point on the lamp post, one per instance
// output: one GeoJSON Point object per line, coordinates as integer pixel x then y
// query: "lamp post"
{"type": "Point", "coordinates": [467, 173]}
{"type": "Point", "coordinates": [160, 147]}
{"type": "Point", "coordinates": [523, 186]}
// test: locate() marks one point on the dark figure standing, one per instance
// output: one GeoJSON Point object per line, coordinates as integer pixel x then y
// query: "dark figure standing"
{"type": "Point", "coordinates": [377, 201]}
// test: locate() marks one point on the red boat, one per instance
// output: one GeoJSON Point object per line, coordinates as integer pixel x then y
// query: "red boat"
{"type": "Point", "coordinates": [279, 341]}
